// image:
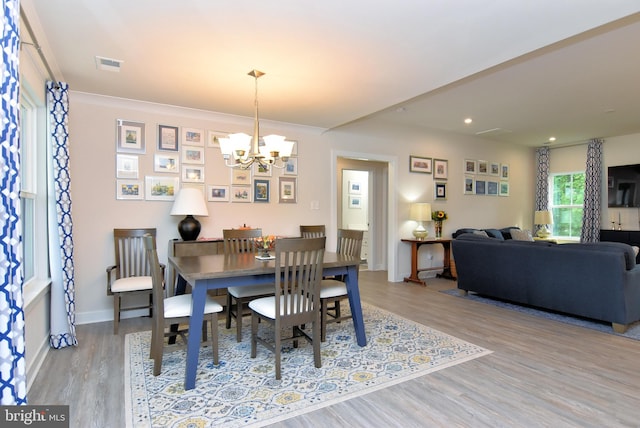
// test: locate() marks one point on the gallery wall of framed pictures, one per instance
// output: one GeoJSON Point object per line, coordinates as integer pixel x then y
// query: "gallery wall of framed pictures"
{"type": "Point", "coordinates": [180, 159]}
{"type": "Point", "coordinates": [437, 168]}
{"type": "Point", "coordinates": [482, 177]}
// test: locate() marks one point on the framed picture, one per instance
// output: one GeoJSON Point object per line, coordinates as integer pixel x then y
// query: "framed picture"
{"type": "Point", "coordinates": [218, 193]}
{"type": "Point", "coordinates": [261, 190]}
{"type": "Point", "coordinates": [483, 167]}
{"type": "Point", "coordinates": [240, 193]}
{"type": "Point", "coordinates": [166, 162]}
{"type": "Point", "coordinates": [469, 185]}
{"type": "Point", "coordinates": [193, 136]}
{"type": "Point", "coordinates": [193, 154]}
{"type": "Point", "coordinates": [355, 202]}
{"type": "Point", "coordinates": [192, 174]}
{"type": "Point", "coordinates": [494, 168]}
{"type": "Point", "coordinates": [294, 148]}
{"type": "Point", "coordinates": [129, 189]}
{"type": "Point", "coordinates": [470, 166]}
{"type": "Point", "coordinates": [241, 177]}
{"type": "Point", "coordinates": [492, 188]}
{"type": "Point", "coordinates": [419, 164]}
{"type": "Point", "coordinates": [288, 190]}
{"type": "Point", "coordinates": [213, 138]}
{"type": "Point", "coordinates": [130, 137]}
{"type": "Point", "coordinates": [168, 138]}
{"type": "Point", "coordinates": [126, 166]}
{"type": "Point", "coordinates": [504, 188]}
{"type": "Point", "coordinates": [262, 170]}
{"type": "Point", "coordinates": [291, 167]}
{"type": "Point", "coordinates": [440, 191]}
{"type": "Point", "coordinates": [354, 187]}
{"type": "Point", "coordinates": [161, 188]}
{"type": "Point", "coordinates": [481, 187]}
{"type": "Point", "coordinates": [440, 169]}
{"type": "Point", "coordinates": [504, 171]}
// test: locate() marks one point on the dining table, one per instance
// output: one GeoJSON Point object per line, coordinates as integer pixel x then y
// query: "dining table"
{"type": "Point", "coordinates": [210, 272]}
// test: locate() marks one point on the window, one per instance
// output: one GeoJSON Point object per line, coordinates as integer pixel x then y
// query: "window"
{"type": "Point", "coordinates": [28, 185]}
{"type": "Point", "coordinates": [567, 201]}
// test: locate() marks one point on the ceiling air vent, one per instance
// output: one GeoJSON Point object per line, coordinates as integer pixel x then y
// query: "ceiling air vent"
{"type": "Point", "coordinates": [493, 131]}
{"type": "Point", "coordinates": [108, 64]}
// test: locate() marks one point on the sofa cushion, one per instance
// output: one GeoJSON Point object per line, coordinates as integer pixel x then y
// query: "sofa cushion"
{"type": "Point", "coordinates": [494, 233]}
{"type": "Point", "coordinates": [506, 231]}
{"type": "Point", "coordinates": [480, 232]}
{"type": "Point", "coordinates": [627, 250]}
{"type": "Point", "coordinates": [491, 233]}
{"type": "Point", "coordinates": [521, 235]}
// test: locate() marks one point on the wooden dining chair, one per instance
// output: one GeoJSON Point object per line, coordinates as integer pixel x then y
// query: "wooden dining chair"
{"type": "Point", "coordinates": [333, 290]}
{"type": "Point", "coordinates": [173, 310]}
{"type": "Point", "coordinates": [242, 241]}
{"type": "Point", "coordinates": [312, 231]}
{"type": "Point", "coordinates": [295, 300]}
{"type": "Point", "coordinates": [130, 275]}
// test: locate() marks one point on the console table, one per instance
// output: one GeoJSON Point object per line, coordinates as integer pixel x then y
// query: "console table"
{"type": "Point", "coordinates": [415, 246]}
{"type": "Point", "coordinates": [631, 237]}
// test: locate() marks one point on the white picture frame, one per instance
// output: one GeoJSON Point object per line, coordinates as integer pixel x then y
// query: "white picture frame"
{"type": "Point", "coordinates": [192, 173]}
{"type": "Point", "coordinates": [166, 162]}
{"type": "Point", "coordinates": [218, 193]}
{"type": "Point", "coordinates": [161, 188]}
{"type": "Point", "coordinates": [127, 166]}
{"type": "Point", "coordinates": [129, 189]}
{"type": "Point", "coordinates": [192, 136]}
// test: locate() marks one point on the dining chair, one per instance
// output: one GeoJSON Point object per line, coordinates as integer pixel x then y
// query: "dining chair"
{"type": "Point", "coordinates": [333, 290]}
{"type": "Point", "coordinates": [299, 264]}
{"type": "Point", "coordinates": [130, 275]}
{"type": "Point", "coordinates": [173, 310]}
{"type": "Point", "coordinates": [242, 241]}
{"type": "Point", "coordinates": [312, 231]}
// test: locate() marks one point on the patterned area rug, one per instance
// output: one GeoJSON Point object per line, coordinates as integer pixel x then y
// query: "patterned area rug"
{"type": "Point", "coordinates": [633, 332]}
{"type": "Point", "coordinates": [242, 391]}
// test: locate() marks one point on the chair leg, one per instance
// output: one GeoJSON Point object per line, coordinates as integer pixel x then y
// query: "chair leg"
{"type": "Point", "coordinates": [156, 349]}
{"type": "Point", "coordinates": [229, 302]}
{"type": "Point", "coordinates": [276, 351]}
{"type": "Point", "coordinates": [239, 313]}
{"type": "Point", "coordinates": [214, 337]}
{"type": "Point", "coordinates": [254, 334]}
{"type": "Point", "coordinates": [316, 343]}
{"type": "Point", "coordinates": [116, 313]}
{"type": "Point", "coordinates": [336, 308]}
{"type": "Point", "coordinates": [323, 320]}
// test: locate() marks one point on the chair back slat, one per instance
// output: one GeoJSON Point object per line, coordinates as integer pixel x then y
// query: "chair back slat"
{"type": "Point", "coordinates": [157, 278]}
{"type": "Point", "coordinates": [240, 240]}
{"type": "Point", "coordinates": [313, 231]}
{"type": "Point", "coordinates": [130, 254]}
{"type": "Point", "coordinates": [350, 242]}
{"type": "Point", "coordinates": [298, 274]}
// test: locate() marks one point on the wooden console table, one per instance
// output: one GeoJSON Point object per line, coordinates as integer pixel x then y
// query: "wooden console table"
{"type": "Point", "coordinates": [415, 246]}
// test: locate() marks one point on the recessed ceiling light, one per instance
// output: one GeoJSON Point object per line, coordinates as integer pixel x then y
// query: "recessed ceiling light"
{"type": "Point", "coordinates": [401, 109]}
{"type": "Point", "coordinates": [468, 120]}
{"type": "Point", "coordinates": [552, 139]}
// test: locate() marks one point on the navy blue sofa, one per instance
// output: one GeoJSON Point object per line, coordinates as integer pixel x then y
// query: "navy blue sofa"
{"type": "Point", "coordinates": [599, 280]}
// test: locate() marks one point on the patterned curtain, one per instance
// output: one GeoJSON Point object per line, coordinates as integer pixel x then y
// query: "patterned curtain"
{"type": "Point", "coordinates": [542, 179]}
{"type": "Point", "coordinates": [13, 385]}
{"type": "Point", "coordinates": [592, 191]}
{"type": "Point", "coordinates": [63, 313]}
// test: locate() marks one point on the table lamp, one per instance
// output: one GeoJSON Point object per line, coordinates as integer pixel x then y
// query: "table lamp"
{"type": "Point", "coordinates": [189, 202]}
{"type": "Point", "coordinates": [420, 212]}
{"type": "Point", "coordinates": [543, 218]}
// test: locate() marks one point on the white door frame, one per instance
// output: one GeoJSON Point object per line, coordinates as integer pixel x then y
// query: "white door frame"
{"type": "Point", "coordinates": [392, 229]}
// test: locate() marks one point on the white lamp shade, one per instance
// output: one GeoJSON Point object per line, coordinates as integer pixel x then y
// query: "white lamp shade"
{"type": "Point", "coordinates": [543, 217]}
{"type": "Point", "coordinates": [420, 211]}
{"type": "Point", "coordinates": [190, 201]}
{"type": "Point", "coordinates": [238, 141]}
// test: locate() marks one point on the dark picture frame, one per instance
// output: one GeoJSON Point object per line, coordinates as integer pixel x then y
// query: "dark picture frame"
{"type": "Point", "coordinates": [420, 164]}
{"type": "Point", "coordinates": [261, 190]}
{"type": "Point", "coordinates": [168, 138]}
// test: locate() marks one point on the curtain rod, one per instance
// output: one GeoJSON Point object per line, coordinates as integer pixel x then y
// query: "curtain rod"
{"type": "Point", "coordinates": [35, 44]}
{"type": "Point", "coordinates": [562, 146]}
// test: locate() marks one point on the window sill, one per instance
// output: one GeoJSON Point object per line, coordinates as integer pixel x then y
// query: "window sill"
{"type": "Point", "coordinates": [34, 290]}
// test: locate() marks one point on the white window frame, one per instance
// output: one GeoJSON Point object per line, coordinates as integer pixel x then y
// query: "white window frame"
{"type": "Point", "coordinates": [552, 206]}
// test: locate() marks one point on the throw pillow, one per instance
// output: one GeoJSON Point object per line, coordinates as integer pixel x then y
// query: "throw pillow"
{"type": "Point", "coordinates": [521, 235]}
{"type": "Point", "coordinates": [635, 250]}
{"type": "Point", "coordinates": [481, 233]}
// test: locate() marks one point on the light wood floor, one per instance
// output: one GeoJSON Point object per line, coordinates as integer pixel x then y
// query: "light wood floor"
{"type": "Point", "coordinates": [541, 374]}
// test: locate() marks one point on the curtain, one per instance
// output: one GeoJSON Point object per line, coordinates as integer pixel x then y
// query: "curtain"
{"type": "Point", "coordinates": [542, 180]}
{"type": "Point", "coordinates": [13, 385]}
{"type": "Point", "coordinates": [592, 191]}
{"type": "Point", "coordinates": [63, 314]}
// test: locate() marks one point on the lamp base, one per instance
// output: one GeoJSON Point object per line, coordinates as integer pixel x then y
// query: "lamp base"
{"type": "Point", "coordinates": [189, 228]}
{"type": "Point", "coordinates": [543, 232]}
{"type": "Point", "coordinates": [420, 232]}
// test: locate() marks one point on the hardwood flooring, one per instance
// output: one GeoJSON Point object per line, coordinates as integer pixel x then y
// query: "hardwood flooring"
{"type": "Point", "coordinates": [541, 374]}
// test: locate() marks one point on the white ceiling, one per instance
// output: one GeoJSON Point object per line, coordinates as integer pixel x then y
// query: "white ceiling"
{"type": "Point", "coordinates": [523, 70]}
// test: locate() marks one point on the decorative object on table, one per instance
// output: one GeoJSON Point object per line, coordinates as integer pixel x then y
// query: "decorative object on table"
{"type": "Point", "coordinates": [438, 217]}
{"type": "Point", "coordinates": [402, 350]}
{"type": "Point", "coordinates": [420, 212]}
{"type": "Point", "coordinates": [542, 219]}
{"type": "Point", "coordinates": [241, 150]}
{"type": "Point", "coordinates": [264, 244]}
{"type": "Point", "coordinates": [189, 202]}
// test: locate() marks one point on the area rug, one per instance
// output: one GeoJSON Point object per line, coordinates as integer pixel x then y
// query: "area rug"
{"type": "Point", "coordinates": [242, 391]}
{"type": "Point", "coordinates": [633, 332]}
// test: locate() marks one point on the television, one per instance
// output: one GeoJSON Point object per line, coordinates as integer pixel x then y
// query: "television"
{"type": "Point", "coordinates": [623, 184]}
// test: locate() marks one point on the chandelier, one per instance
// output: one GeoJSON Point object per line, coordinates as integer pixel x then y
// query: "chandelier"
{"type": "Point", "coordinates": [241, 150]}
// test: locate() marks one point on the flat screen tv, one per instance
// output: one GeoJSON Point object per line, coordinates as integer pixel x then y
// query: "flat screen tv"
{"type": "Point", "coordinates": [623, 183]}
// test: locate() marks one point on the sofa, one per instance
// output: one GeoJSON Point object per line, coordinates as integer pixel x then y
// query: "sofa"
{"type": "Point", "coordinates": [597, 280]}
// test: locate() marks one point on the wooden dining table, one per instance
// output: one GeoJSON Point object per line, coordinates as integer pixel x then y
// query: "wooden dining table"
{"type": "Point", "coordinates": [211, 272]}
